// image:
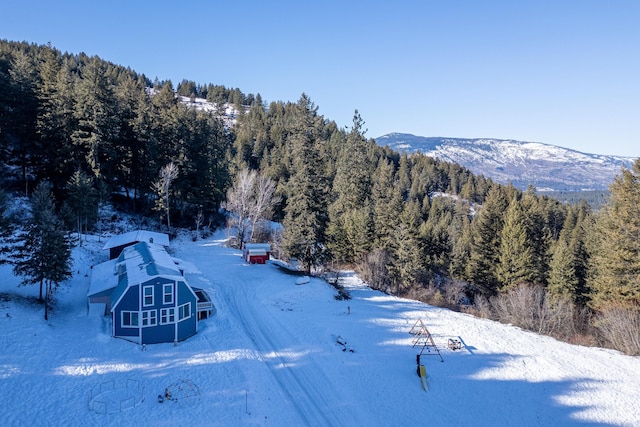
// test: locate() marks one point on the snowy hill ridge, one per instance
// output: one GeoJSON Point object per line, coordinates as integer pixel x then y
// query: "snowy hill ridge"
{"type": "Point", "coordinates": [227, 111]}
{"type": "Point", "coordinates": [545, 166]}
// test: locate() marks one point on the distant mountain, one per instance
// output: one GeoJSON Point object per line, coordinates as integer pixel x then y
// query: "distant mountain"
{"type": "Point", "coordinates": [544, 166]}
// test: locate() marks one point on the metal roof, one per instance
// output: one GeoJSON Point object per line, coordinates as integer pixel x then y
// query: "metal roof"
{"type": "Point", "coordinates": [136, 264]}
{"type": "Point", "coordinates": [137, 236]}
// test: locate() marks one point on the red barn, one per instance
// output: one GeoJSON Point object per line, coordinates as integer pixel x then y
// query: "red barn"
{"type": "Point", "coordinates": [256, 253]}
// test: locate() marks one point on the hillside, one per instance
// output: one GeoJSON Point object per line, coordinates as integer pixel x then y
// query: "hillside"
{"type": "Point", "coordinates": [270, 356]}
{"type": "Point", "coordinates": [546, 167]}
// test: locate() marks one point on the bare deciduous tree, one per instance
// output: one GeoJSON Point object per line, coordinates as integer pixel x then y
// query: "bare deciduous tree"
{"type": "Point", "coordinates": [199, 219]}
{"type": "Point", "coordinates": [162, 188]}
{"type": "Point", "coordinates": [264, 200]}
{"type": "Point", "coordinates": [620, 326]}
{"type": "Point", "coordinates": [374, 270]}
{"type": "Point", "coordinates": [238, 200]}
{"type": "Point", "coordinates": [249, 200]}
{"type": "Point", "coordinates": [529, 307]}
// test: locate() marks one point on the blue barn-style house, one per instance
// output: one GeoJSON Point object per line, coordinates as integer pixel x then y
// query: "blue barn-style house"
{"type": "Point", "coordinates": [149, 300]}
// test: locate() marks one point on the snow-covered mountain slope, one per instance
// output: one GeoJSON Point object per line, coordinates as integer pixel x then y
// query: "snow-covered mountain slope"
{"type": "Point", "coordinates": [546, 167]}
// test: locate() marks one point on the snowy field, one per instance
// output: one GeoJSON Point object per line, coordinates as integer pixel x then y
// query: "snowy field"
{"type": "Point", "coordinates": [270, 356]}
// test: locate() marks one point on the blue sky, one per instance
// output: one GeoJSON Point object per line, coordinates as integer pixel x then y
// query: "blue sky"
{"type": "Point", "coordinates": [560, 72]}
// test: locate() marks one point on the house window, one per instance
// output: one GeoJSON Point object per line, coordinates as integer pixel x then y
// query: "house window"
{"type": "Point", "coordinates": [148, 295]}
{"type": "Point", "coordinates": [129, 319]}
{"type": "Point", "coordinates": [167, 315]}
{"type": "Point", "coordinates": [149, 318]}
{"type": "Point", "coordinates": [167, 293]}
{"type": "Point", "coordinates": [184, 311]}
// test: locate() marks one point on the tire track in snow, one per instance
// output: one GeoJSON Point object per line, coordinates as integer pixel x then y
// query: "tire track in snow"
{"type": "Point", "coordinates": [296, 385]}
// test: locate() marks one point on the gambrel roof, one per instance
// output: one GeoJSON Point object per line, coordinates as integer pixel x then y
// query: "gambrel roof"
{"type": "Point", "coordinates": [136, 264]}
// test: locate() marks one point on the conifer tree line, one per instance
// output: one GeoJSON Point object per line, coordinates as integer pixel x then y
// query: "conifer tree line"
{"type": "Point", "coordinates": [73, 116]}
{"type": "Point", "coordinates": [410, 225]}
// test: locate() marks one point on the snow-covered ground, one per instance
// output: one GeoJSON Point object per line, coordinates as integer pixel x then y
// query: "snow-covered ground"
{"type": "Point", "coordinates": [270, 356]}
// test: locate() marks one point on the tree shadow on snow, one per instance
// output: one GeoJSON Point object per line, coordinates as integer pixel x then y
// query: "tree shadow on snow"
{"type": "Point", "coordinates": [472, 386]}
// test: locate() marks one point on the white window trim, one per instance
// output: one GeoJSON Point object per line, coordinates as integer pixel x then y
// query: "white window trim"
{"type": "Point", "coordinates": [164, 293]}
{"type": "Point", "coordinates": [166, 313]}
{"type": "Point", "coordinates": [180, 312]}
{"type": "Point", "coordinates": [152, 318]}
{"type": "Point", "coordinates": [131, 316]}
{"type": "Point", "coordinates": [144, 296]}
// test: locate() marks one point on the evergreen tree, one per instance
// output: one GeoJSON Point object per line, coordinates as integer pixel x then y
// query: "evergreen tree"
{"type": "Point", "coordinates": [386, 198]}
{"type": "Point", "coordinates": [406, 264]}
{"type": "Point", "coordinates": [169, 130]}
{"type": "Point", "coordinates": [404, 175]}
{"type": "Point", "coordinates": [44, 254]}
{"type": "Point", "coordinates": [358, 233]}
{"type": "Point", "coordinates": [56, 121]}
{"type": "Point", "coordinates": [426, 177]}
{"type": "Point", "coordinates": [128, 148]}
{"type": "Point", "coordinates": [485, 241]}
{"type": "Point", "coordinates": [276, 160]}
{"type": "Point", "coordinates": [568, 266]}
{"type": "Point", "coordinates": [578, 247]}
{"type": "Point", "coordinates": [46, 125]}
{"type": "Point", "coordinates": [352, 182]}
{"type": "Point", "coordinates": [461, 246]}
{"type": "Point", "coordinates": [217, 94]}
{"type": "Point", "coordinates": [563, 280]}
{"type": "Point", "coordinates": [82, 199]}
{"type": "Point", "coordinates": [97, 119]}
{"type": "Point", "coordinates": [468, 190]}
{"type": "Point", "coordinates": [6, 228]}
{"type": "Point", "coordinates": [540, 222]}
{"type": "Point", "coordinates": [204, 174]}
{"type": "Point", "coordinates": [252, 138]}
{"type": "Point", "coordinates": [516, 264]}
{"type": "Point", "coordinates": [349, 229]}
{"type": "Point", "coordinates": [187, 88]}
{"type": "Point", "coordinates": [435, 233]}
{"type": "Point", "coordinates": [305, 213]}
{"type": "Point", "coordinates": [616, 257]}
{"type": "Point", "coordinates": [144, 146]}
{"type": "Point", "coordinates": [23, 112]}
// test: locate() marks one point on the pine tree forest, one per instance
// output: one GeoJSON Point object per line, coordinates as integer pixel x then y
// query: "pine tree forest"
{"type": "Point", "coordinates": [101, 134]}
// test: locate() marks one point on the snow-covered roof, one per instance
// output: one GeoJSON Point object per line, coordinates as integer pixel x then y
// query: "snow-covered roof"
{"type": "Point", "coordinates": [140, 263]}
{"type": "Point", "coordinates": [137, 236]}
{"type": "Point", "coordinates": [136, 264]}
{"type": "Point", "coordinates": [144, 261]}
{"type": "Point", "coordinates": [258, 246]}
{"type": "Point", "coordinates": [104, 277]}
